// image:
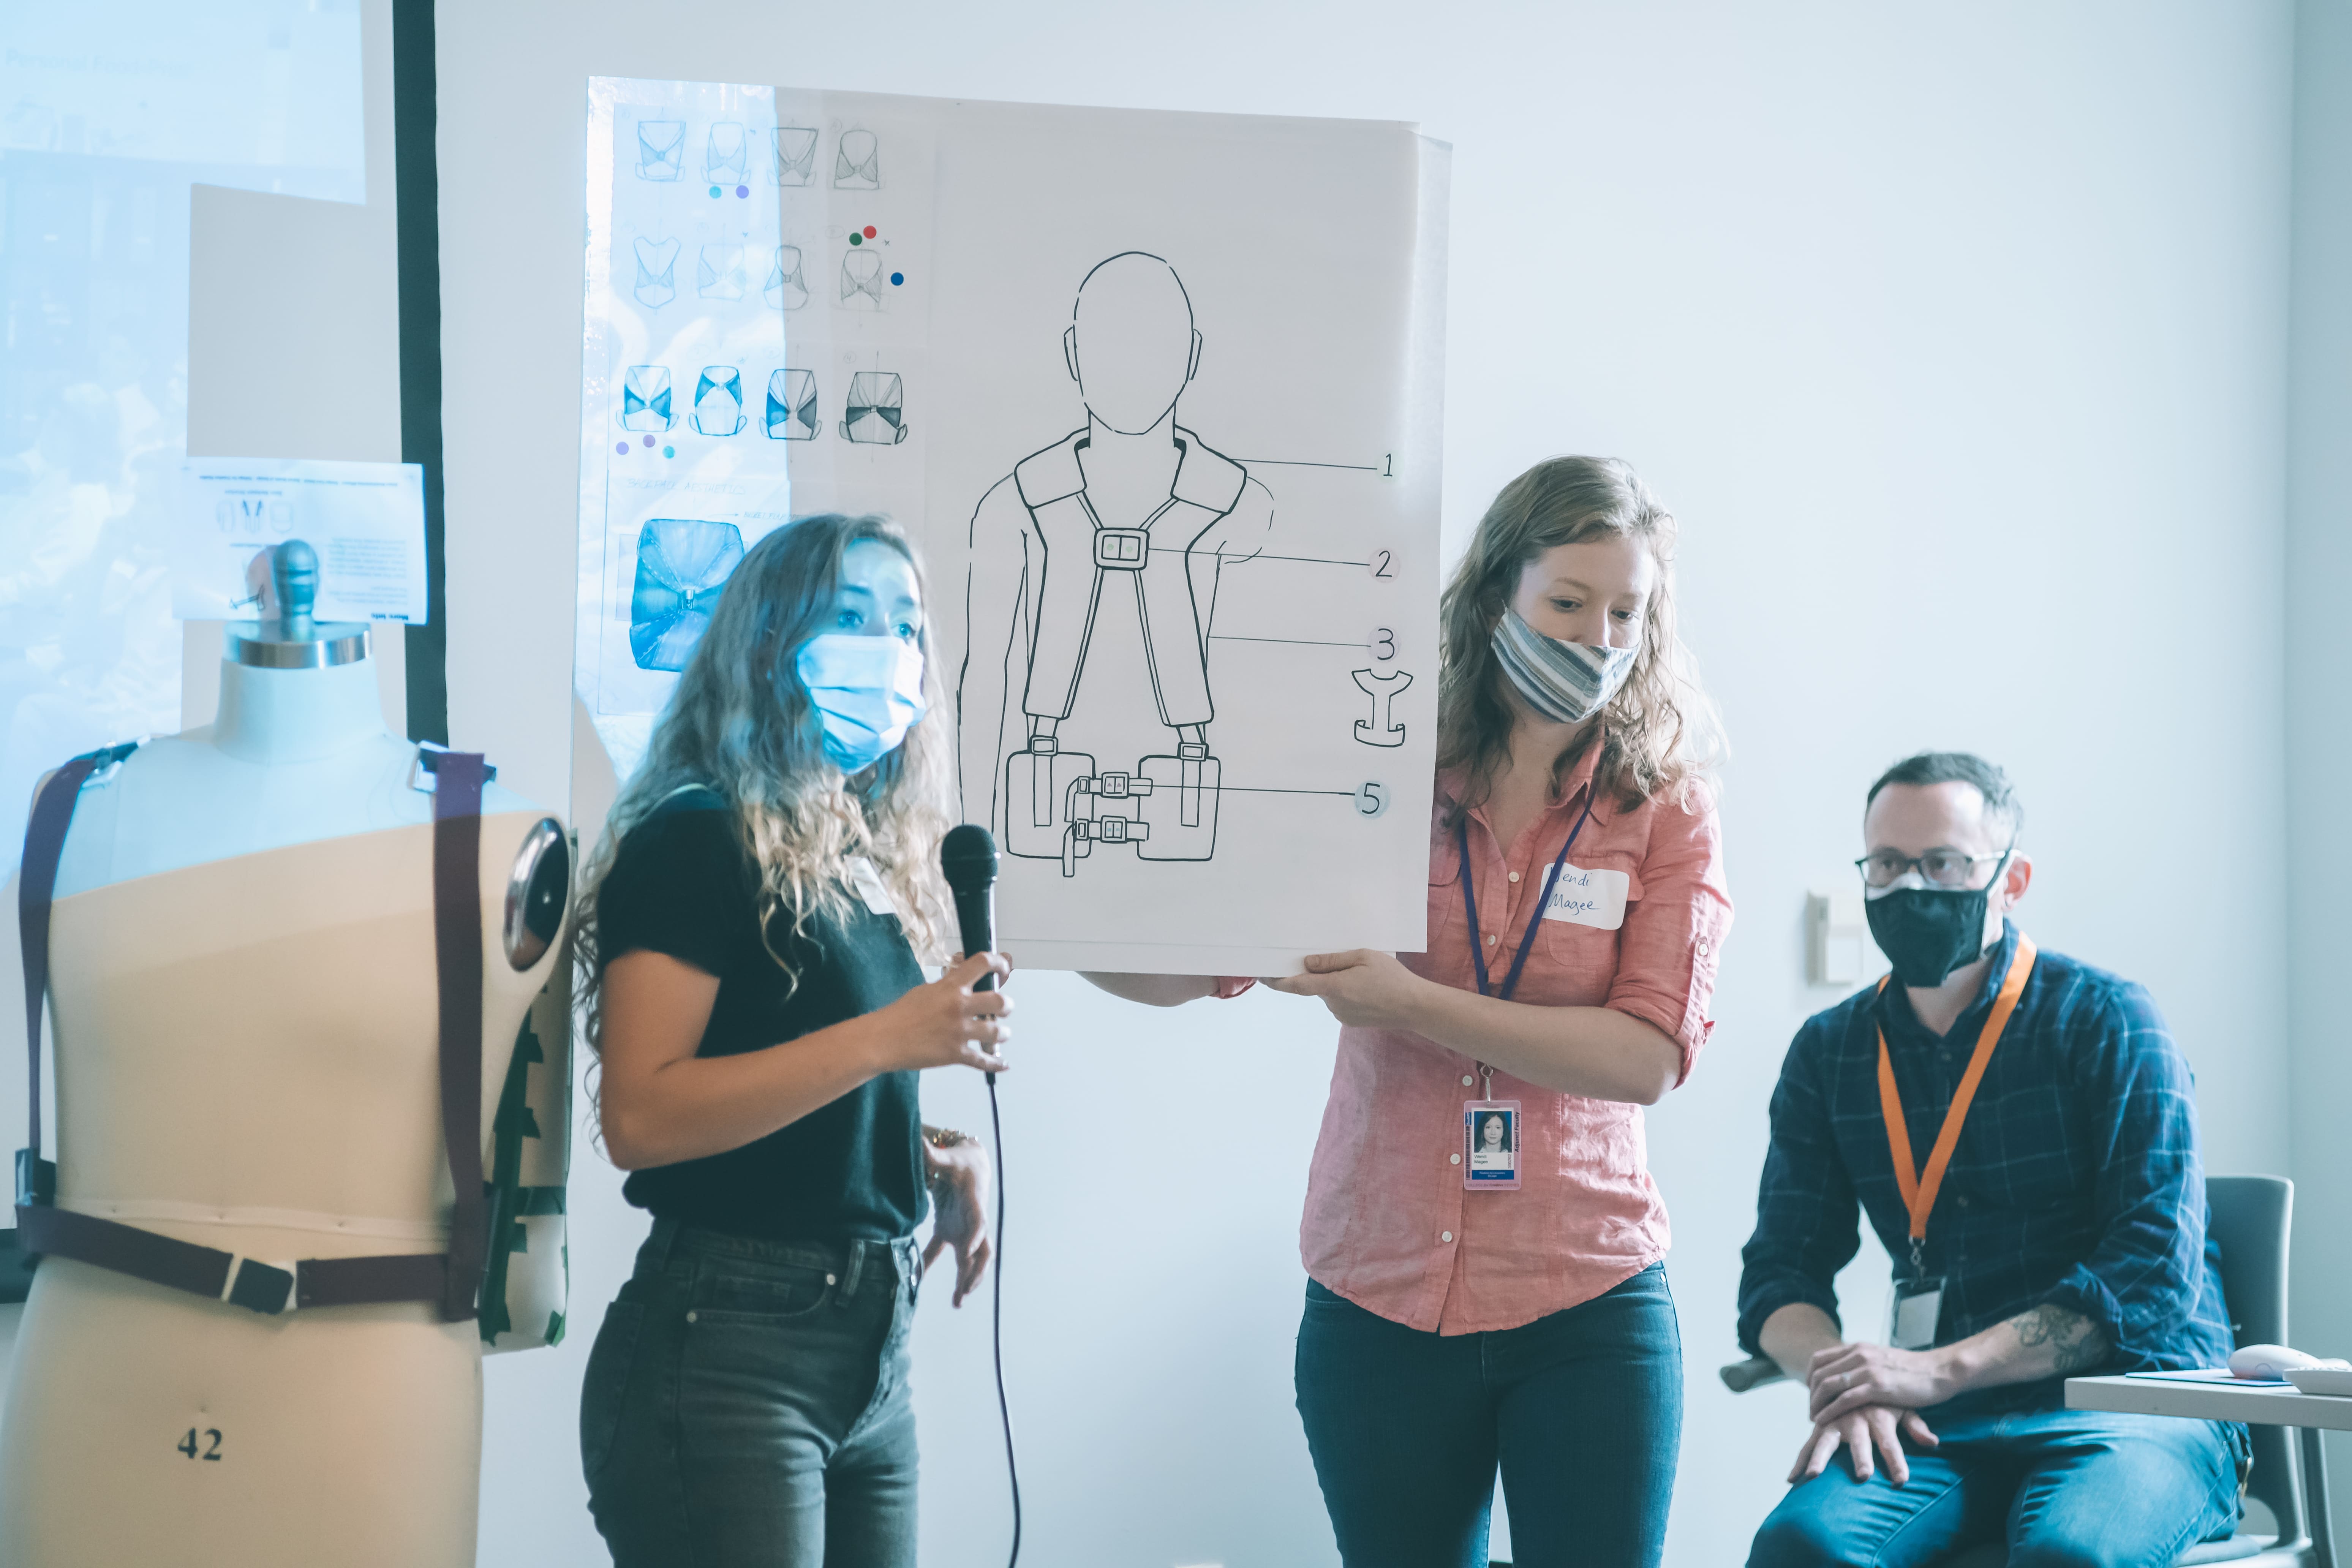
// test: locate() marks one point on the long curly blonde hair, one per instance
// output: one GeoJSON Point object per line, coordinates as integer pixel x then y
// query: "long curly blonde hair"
{"type": "Point", "coordinates": [741, 723]}
{"type": "Point", "coordinates": [1663, 737]}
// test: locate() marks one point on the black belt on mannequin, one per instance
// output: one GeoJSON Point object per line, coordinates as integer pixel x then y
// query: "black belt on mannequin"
{"type": "Point", "coordinates": [451, 1280]}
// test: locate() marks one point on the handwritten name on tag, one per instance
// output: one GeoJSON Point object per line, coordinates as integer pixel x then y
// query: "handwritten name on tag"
{"type": "Point", "coordinates": [1594, 897]}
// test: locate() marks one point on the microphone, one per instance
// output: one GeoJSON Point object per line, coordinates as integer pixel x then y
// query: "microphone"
{"type": "Point", "coordinates": [968, 857]}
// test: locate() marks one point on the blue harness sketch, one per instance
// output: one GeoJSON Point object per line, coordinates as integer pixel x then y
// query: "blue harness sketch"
{"type": "Point", "coordinates": [682, 564]}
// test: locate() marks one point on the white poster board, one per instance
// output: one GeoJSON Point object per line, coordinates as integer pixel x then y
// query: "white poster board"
{"type": "Point", "coordinates": [680, 469]}
{"type": "Point", "coordinates": [364, 520]}
{"type": "Point", "coordinates": [1160, 394]}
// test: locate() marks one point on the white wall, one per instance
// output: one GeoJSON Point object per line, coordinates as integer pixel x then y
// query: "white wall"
{"type": "Point", "coordinates": [1956, 337]}
{"type": "Point", "coordinates": [2318, 661]}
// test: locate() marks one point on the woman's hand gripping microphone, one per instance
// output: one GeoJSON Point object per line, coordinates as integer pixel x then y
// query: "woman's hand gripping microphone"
{"type": "Point", "coordinates": [948, 1022]}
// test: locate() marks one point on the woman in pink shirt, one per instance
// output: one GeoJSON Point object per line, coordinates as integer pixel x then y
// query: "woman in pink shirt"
{"type": "Point", "coordinates": [1483, 1244]}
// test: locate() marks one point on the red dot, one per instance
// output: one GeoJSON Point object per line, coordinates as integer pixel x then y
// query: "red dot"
{"type": "Point", "coordinates": [869, 231]}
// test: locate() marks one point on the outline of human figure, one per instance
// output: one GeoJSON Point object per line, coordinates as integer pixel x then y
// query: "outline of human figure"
{"type": "Point", "coordinates": [1131, 348]}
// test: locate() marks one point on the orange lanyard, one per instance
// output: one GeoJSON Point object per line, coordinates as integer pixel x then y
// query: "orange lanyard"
{"type": "Point", "coordinates": [1919, 1187]}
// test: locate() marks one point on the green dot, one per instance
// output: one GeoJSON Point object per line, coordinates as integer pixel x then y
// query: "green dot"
{"type": "Point", "coordinates": [856, 239]}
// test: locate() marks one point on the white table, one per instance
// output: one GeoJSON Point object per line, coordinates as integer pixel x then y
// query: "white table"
{"type": "Point", "coordinates": [2220, 1402]}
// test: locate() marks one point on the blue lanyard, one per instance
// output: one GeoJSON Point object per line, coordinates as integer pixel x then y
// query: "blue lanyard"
{"type": "Point", "coordinates": [1470, 900]}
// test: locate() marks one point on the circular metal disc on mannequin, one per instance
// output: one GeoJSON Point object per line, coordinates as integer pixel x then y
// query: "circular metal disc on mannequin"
{"type": "Point", "coordinates": [338, 643]}
{"type": "Point", "coordinates": [539, 889]}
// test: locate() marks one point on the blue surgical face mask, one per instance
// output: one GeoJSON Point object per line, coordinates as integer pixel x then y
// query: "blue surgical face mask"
{"type": "Point", "coordinates": [868, 690]}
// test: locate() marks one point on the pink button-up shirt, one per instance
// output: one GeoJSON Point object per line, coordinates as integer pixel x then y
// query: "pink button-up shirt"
{"type": "Point", "coordinates": [1388, 1224]}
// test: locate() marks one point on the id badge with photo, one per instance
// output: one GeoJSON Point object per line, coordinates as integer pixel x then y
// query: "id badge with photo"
{"type": "Point", "coordinates": [1917, 1307]}
{"type": "Point", "coordinates": [1490, 1145]}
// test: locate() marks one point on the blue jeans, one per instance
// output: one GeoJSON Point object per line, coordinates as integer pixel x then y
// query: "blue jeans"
{"type": "Point", "coordinates": [1583, 1409]}
{"type": "Point", "coordinates": [746, 1405]}
{"type": "Point", "coordinates": [2077, 1487]}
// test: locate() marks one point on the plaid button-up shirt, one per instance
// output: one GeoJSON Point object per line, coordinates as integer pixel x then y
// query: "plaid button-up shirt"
{"type": "Point", "coordinates": [2076, 1180]}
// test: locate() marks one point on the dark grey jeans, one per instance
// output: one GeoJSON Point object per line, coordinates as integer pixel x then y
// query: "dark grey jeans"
{"type": "Point", "coordinates": [746, 1405]}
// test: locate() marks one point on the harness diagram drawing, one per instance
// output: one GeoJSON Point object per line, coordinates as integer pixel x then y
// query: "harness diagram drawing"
{"type": "Point", "coordinates": [795, 155]}
{"type": "Point", "coordinates": [1105, 547]}
{"type": "Point", "coordinates": [719, 273]}
{"type": "Point", "coordinates": [1381, 729]}
{"type": "Point", "coordinates": [727, 160]}
{"type": "Point", "coordinates": [718, 401]}
{"type": "Point", "coordinates": [857, 162]}
{"type": "Point", "coordinates": [792, 405]}
{"type": "Point", "coordinates": [787, 290]}
{"type": "Point", "coordinates": [644, 399]}
{"type": "Point", "coordinates": [875, 412]}
{"type": "Point", "coordinates": [656, 272]}
{"type": "Point", "coordinates": [861, 281]}
{"type": "Point", "coordinates": [661, 148]}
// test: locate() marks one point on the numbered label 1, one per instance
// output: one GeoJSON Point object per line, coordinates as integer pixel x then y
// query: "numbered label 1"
{"type": "Point", "coordinates": [1371, 799]}
{"type": "Point", "coordinates": [203, 1443]}
{"type": "Point", "coordinates": [1388, 465]}
{"type": "Point", "coordinates": [1384, 563]}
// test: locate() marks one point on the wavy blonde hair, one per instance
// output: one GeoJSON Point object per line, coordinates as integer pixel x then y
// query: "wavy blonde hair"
{"type": "Point", "coordinates": [741, 723]}
{"type": "Point", "coordinates": [1663, 738]}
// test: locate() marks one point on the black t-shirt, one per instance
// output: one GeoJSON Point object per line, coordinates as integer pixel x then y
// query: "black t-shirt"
{"type": "Point", "coordinates": [683, 884]}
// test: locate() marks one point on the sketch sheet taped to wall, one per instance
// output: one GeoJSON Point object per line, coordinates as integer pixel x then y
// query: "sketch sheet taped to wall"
{"type": "Point", "coordinates": [678, 474]}
{"type": "Point", "coordinates": [1159, 394]}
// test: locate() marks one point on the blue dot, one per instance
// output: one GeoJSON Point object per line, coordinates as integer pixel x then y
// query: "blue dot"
{"type": "Point", "coordinates": [743, 190]}
{"type": "Point", "coordinates": [669, 451]}
{"type": "Point", "coordinates": [898, 277]}
{"type": "Point", "coordinates": [714, 193]}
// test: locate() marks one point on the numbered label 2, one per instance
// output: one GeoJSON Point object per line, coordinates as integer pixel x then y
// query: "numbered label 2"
{"type": "Point", "coordinates": [1384, 563]}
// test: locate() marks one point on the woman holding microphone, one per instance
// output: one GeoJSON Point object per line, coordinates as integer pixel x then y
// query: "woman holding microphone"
{"type": "Point", "coordinates": [1484, 1246]}
{"type": "Point", "coordinates": [749, 930]}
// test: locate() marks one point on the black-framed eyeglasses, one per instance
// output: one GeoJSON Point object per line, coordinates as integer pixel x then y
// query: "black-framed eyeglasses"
{"type": "Point", "coordinates": [1937, 867]}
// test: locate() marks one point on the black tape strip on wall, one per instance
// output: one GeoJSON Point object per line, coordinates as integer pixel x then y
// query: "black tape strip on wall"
{"type": "Point", "coordinates": [416, 186]}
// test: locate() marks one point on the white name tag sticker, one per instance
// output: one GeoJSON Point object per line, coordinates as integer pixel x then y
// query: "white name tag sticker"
{"type": "Point", "coordinates": [867, 881]}
{"type": "Point", "coordinates": [1595, 898]}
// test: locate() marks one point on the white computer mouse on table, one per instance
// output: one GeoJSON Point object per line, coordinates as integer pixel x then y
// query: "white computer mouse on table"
{"type": "Point", "coordinates": [2275, 1362]}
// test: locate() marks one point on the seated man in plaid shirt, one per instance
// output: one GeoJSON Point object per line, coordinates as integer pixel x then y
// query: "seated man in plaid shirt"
{"type": "Point", "coordinates": [2022, 1132]}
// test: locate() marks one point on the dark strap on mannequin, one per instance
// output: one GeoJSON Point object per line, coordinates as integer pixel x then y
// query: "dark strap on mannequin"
{"type": "Point", "coordinates": [457, 958]}
{"type": "Point", "coordinates": [447, 1279]}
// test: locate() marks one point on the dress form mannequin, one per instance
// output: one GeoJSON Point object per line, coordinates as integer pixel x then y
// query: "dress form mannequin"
{"type": "Point", "coordinates": [245, 1007]}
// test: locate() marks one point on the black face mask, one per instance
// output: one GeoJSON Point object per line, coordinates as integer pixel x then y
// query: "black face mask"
{"type": "Point", "coordinates": [1928, 933]}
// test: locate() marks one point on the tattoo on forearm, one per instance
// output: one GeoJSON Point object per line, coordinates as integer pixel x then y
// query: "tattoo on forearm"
{"type": "Point", "coordinates": [2075, 1341]}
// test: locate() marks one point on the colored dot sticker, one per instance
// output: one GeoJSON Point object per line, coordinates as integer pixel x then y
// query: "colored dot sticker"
{"type": "Point", "coordinates": [714, 193]}
{"type": "Point", "coordinates": [856, 239]}
{"type": "Point", "coordinates": [669, 451]}
{"type": "Point", "coordinates": [897, 278]}
{"type": "Point", "coordinates": [649, 440]}
{"type": "Point", "coordinates": [621, 447]}
{"type": "Point", "coordinates": [869, 231]}
{"type": "Point", "coordinates": [741, 192]}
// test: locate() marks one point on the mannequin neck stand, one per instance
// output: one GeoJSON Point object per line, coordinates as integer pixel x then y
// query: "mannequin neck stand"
{"type": "Point", "coordinates": [271, 716]}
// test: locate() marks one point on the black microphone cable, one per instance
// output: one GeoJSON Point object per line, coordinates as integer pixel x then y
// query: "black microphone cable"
{"type": "Point", "coordinates": [996, 1323]}
{"type": "Point", "coordinates": [968, 860]}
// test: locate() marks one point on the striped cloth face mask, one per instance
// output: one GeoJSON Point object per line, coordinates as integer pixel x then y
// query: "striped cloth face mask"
{"type": "Point", "coordinates": [1567, 682]}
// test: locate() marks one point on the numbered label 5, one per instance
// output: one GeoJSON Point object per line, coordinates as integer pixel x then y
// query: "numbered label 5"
{"type": "Point", "coordinates": [1371, 799]}
{"type": "Point", "coordinates": [201, 1443]}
